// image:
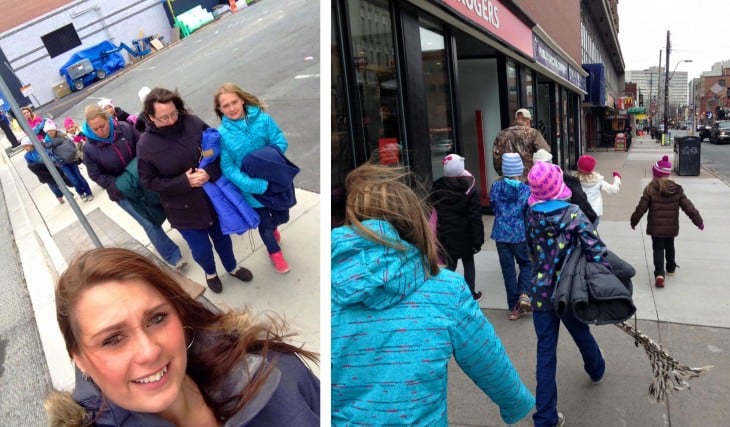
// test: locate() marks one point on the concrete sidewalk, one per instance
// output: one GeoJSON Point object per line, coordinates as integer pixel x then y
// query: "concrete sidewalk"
{"type": "Point", "coordinates": [690, 317]}
{"type": "Point", "coordinates": [48, 234]}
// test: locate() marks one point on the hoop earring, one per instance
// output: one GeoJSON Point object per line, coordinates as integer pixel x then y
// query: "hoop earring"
{"type": "Point", "coordinates": [193, 339]}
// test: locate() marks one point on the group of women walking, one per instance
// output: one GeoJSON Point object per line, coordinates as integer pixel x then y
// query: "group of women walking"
{"type": "Point", "coordinates": [155, 174]}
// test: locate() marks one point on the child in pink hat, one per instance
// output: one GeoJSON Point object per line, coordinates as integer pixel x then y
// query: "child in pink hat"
{"type": "Point", "coordinates": [593, 183]}
{"type": "Point", "coordinates": [556, 227]}
{"type": "Point", "coordinates": [663, 198]}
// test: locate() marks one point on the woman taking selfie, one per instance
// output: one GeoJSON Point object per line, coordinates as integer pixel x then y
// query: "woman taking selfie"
{"type": "Point", "coordinates": [146, 354]}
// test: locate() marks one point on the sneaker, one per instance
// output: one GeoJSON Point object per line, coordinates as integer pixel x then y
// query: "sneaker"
{"type": "Point", "coordinates": [279, 262]}
{"type": "Point", "coordinates": [524, 304]}
{"type": "Point", "coordinates": [214, 283]}
{"type": "Point", "coordinates": [515, 314]}
{"type": "Point", "coordinates": [659, 281]}
{"type": "Point", "coordinates": [242, 274]}
{"type": "Point", "coordinates": [277, 235]}
{"type": "Point", "coordinates": [561, 420]}
{"type": "Point", "coordinates": [671, 272]}
{"type": "Point", "coordinates": [89, 197]}
{"type": "Point", "coordinates": [83, 197]}
{"type": "Point", "coordinates": [180, 265]}
{"type": "Point", "coordinates": [476, 295]}
{"type": "Point", "coordinates": [61, 200]}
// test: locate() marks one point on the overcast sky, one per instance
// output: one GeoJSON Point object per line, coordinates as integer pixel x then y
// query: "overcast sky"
{"type": "Point", "coordinates": [699, 30]}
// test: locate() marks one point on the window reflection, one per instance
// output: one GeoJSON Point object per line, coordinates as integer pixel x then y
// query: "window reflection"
{"type": "Point", "coordinates": [435, 75]}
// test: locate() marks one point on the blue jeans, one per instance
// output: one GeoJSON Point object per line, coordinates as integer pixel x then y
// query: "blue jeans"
{"type": "Point", "coordinates": [169, 251]}
{"type": "Point", "coordinates": [55, 189]}
{"type": "Point", "coordinates": [270, 219]}
{"type": "Point", "coordinates": [508, 253]}
{"type": "Point", "coordinates": [199, 243]}
{"type": "Point", "coordinates": [80, 184]}
{"type": "Point", "coordinates": [547, 328]}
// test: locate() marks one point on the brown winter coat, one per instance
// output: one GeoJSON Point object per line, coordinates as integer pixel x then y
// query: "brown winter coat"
{"type": "Point", "coordinates": [663, 198]}
{"type": "Point", "coordinates": [519, 139]}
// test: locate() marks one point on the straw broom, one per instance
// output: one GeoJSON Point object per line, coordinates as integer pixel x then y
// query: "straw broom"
{"type": "Point", "coordinates": [669, 374]}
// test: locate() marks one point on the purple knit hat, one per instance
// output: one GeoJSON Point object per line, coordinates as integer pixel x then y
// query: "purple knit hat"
{"type": "Point", "coordinates": [546, 183]}
{"type": "Point", "coordinates": [662, 168]}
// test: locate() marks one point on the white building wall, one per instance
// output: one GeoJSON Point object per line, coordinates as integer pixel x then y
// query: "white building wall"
{"type": "Point", "coordinates": [94, 21]}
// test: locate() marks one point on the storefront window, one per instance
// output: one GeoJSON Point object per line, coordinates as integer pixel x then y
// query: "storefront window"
{"type": "Point", "coordinates": [513, 100]}
{"type": "Point", "coordinates": [376, 79]}
{"type": "Point", "coordinates": [528, 89]}
{"type": "Point", "coordinates": [435, 75]}
{"type": "Point", "coordinates": [342, 160]}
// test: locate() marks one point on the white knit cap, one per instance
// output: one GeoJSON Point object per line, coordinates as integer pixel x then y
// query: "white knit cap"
{"type": "Point", "coordinates": [49, 125]}
{"type": "Point", "coordinates": [143, 92]}
{"type": "Point", "coordinates": [453, 165]}
{"type": "Point", "coordinates": [542, 155]}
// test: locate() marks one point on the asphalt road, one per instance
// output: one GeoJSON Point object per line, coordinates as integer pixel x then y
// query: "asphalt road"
{"type": "Point", "coordinates": [270, 49]}
{"type": "Point", "coordinates": [716, 158]}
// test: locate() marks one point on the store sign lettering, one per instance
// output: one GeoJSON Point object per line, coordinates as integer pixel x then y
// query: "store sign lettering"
{"type": "Point", "coordinates": [479, 7]}
{"type": "Point", "coordinates": [494, 17]}
{"type": "Point", "coordinates": [546, 57]}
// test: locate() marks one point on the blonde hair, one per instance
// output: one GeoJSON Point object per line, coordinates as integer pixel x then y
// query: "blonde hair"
{"type": "Point", "coordinates": [93, 111]}
{"type": "Point", "coordinates": [380, 192]}
{"type": "Point", "coordinates": [247, 98]}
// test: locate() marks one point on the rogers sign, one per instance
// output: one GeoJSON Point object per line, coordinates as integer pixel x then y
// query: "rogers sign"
{"type": "Point", "coordinates": [492, 16]}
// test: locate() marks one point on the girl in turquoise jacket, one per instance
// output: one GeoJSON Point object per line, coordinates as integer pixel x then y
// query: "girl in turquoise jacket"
{"type": "Point", "coordinates": [246, 127]}
{"type": "Point", "coordinates": [397, 318]}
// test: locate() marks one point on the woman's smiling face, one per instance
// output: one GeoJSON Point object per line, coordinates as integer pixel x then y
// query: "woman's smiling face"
{"type": "Point", "coordinates": [131, 344]}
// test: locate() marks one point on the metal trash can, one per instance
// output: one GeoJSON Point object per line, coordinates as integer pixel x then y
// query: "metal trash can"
{"type": "Point", "coordinates": [687, 155]}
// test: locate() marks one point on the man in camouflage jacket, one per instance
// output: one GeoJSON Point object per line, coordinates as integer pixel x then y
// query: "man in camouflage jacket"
{"type": "Point", "coordinates": [518, 138]}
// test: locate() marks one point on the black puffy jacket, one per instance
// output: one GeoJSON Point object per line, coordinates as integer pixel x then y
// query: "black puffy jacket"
{"type": "Point", "coordinates": [460, 228]}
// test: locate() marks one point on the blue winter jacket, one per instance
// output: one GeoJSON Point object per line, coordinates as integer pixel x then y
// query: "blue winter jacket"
{"type": "Point", "coordinates": [235, 216]}
{"type": "Point", "coordinates": [394, 330]}
{"type": "Point", "coordinates": [509, 203]}
{"type": "Point", "coordinates": [238, 139]}
{"type": "Point", "coordinates": [270, 164]}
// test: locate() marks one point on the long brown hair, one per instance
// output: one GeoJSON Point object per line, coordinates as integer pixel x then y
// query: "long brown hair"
{"type": "Point", "coordinates": [235, 333]}
{"type": "Point", "coordinates": [381, 192]}
{"type": "Point", "coordinates": [247, 98]}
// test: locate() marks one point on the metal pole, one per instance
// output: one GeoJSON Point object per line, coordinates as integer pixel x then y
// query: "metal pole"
{"type": "Point", "coordinates": [48, 162]}
{"type": "Point", "coordinates": [666, 88]}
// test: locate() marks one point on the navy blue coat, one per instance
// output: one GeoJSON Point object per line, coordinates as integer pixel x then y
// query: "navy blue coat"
{"type": "Point", "coordinates": [270, 164]}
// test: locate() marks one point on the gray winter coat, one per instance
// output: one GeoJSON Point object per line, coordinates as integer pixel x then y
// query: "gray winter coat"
{"type": "Point", "coordinates": [593, 292]}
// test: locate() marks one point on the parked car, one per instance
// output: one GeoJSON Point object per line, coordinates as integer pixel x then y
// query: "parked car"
{"type": "Point", "coordinates": [720, 132]}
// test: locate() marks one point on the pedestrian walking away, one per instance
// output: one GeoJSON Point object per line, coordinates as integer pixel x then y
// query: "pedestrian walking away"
{"type": "Point", "coordinates": [39, 169]}
{"type": "Point", "coordinates": [246, 128]}
{"type": "Point", "coordinates": [578, 196]}
{"type": "Point", "coordinates": [7, 130]}
{"type": "Point", "coordinates": [110, 149]}
{"type": "Point", "coordinates": [663, 198]}
{"type": "Point", "coordinates": [518, 138]}
{"type": "Point", "coordinates": [508, 199]}
{"type": "Point", "coordinates": [459, 227]}
{"type": "Point", "coordinates": [147, 354]}
{"type": "Point", "coordinates": [593, 184]}
{"type": "Point", "coordinates": [169, 153]}
{"type": "Point", "coordinates": [385, 280]}
{"type": "Point", "coordinates": [555, 228]}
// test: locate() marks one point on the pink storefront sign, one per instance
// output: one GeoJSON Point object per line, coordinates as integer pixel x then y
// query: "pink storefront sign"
{"type": "Point", "coordinates": [497, 19]}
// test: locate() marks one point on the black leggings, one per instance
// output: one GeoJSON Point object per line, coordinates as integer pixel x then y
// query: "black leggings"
{"type": "Point", "coordinates": [662, 246]}
{"type": "Point", "coordinates": [469, 272]}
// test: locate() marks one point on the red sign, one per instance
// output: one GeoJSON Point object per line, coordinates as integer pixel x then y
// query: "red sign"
{"type": "Point", "coordinates": [388, 151]}
{"type": "Point", "coordinates": [494, 17]}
